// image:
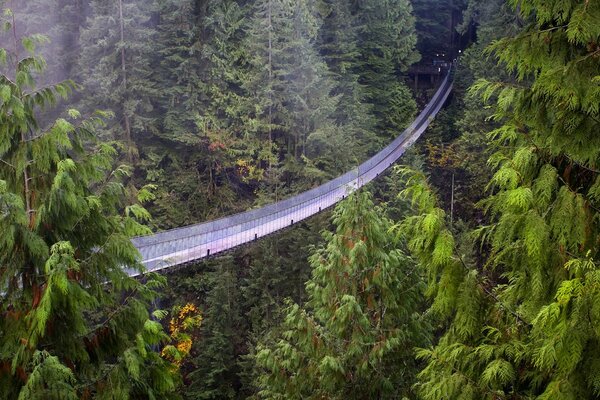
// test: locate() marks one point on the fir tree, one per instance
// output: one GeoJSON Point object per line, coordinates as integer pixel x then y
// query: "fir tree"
{"type": "Point", "coordinates": [73, 325]}
{"type": "Point", "coordinates": [435, 25]}
{"type": "Point", "coordinates": [278, 269]}
{"type": "Point", "coordinates": [289, 88]}
{"type": "Point", "coordinates": [177, 146]}
{"type": "Point", "coordinates": [338, 44]}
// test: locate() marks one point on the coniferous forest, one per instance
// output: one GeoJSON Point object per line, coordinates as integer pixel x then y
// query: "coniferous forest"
{"type": "Point", "coordinates": [468, 271]}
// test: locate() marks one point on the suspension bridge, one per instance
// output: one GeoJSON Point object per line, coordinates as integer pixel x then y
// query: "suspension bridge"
{"type": "Point", "coordinates": [190, 243]}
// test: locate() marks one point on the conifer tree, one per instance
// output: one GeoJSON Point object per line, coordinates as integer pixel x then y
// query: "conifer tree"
{"type": "Point", "coordinates": [177, 144]}
{"type": "Point", "coordinates": [235, 151]}
{"type": "Point", "coordinates": [435, 25]}
{"type": "Point", "coordinates": [115, 66]}
{"type": "Point", "coordinates": [387, 48]}
{"type": "Point", "coordinates": [288, 89]}
{"type": "Point", "coordinates": [179, 72]}
{"type": "Point", "coordinates": [494, 19]}
{"type": "Point", "coordinates": [521, 319]}
{"type": "Point", "coordinates": [339, 46]}
{"type": "Point", "coordinates": [215, 376]}
{"type": "Point", "coordinates": [355, 337]}
{"type": "Point", "coordinates": [73, 325]}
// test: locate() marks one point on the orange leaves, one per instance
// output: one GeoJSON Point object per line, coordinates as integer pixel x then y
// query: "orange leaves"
{"type": "Point", "coordinates": [188, 317]}
{"type": "Point", "coordinates": [216, 145]}
{"type": "Point", "coordinates": [184, 346]}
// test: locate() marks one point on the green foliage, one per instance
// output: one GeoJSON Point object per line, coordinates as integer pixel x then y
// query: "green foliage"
{"type": "Point", "coordinates": [360, 322]}
{"type": "Point", "coordinates": [434, 24]}
{"type": "Point", "coordinates": [219, 108]}
{"type": "Point", "coordinates": [387, 41]}
{"type": "Point", "coordinates": [73, 323]}
{"type": "Point", "coordinates": [115, 65]}
{"type": "Point", "coordinates": [532, 331]}
{"type": "Point", "coordinates": [215, 375]}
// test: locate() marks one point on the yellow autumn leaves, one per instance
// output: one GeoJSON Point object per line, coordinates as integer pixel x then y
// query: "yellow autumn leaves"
{"type": "Point", "coordinates": [181, 327]}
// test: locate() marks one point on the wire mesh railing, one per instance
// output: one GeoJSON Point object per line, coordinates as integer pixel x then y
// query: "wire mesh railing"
{"type": "Point", "coordinates": [186, 244]}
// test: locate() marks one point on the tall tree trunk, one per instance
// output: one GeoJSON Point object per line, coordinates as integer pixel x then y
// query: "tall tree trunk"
{"type": "Point", "coordinates": [269, 14]}
{"type": "Point", "coordinates": [124, 72]}
{"type": "Point", "coordinates": [26, 178]}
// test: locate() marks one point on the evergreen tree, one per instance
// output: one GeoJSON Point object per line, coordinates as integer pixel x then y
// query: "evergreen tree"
{"type": "Point", "coordinates": [234, 151]}
{"type": "Point", "coordinates": [289, 87]}
{"type": "Point", "coordinates": [338, 44]}
{"type": "Point", "coordinates": [472, 120]}
{"type": "Point", "coordinates": [115, 66]}
{"type": "Point", "coordinates": [521, 319]}
{"type": "Point", "coordinates": [201, 135]}
{"type": "Point", "coordinates": [435, 25]}
{"type": "Point", "coordinates": [387, 48]}
{"type": "Point", "coordinates": [361, 320]}
{"type": "Point", "coordinates": [73, 325]}
{"type": "Point", "coordinates": [178, 145]}
{"type": "Point", "coordinates": [216, 373]}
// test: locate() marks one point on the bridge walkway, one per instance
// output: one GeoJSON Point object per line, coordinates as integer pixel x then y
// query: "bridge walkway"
{"type": "Point", "coordinates": [190, 243]}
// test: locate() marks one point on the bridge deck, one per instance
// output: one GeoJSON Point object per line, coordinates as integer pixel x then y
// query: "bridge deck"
{"type": "Point", "coordinates": [194, 242]}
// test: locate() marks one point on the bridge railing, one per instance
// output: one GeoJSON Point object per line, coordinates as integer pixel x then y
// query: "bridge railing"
{"type": "Point", "coordinates": [182, 245]}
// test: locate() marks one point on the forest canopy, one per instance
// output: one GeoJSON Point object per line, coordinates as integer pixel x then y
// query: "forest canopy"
{"type": "Point", "coordinates": [470, 272]}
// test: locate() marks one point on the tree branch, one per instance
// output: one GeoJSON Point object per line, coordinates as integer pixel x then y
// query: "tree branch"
{"type": "Point", "coordinates": [492, 295]}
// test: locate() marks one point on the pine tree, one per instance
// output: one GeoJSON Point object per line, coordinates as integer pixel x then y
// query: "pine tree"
{"type": "Point", "coordinates": [435, 25]}
{"type": "Point", "coordinates": [338, 44]}
{"type": "Point", "coordinates": [73, 325]}
{"type": "Point", "coordinates": [277, 270]}
{"type": "Point", "coordinates": [361, 320]}
{"type": "Point", "coordinates": [472, 123]}
{"type": "Point", "coordinates": [234, 150]}
{"type": "Point", "coordinates": [177, 145]}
